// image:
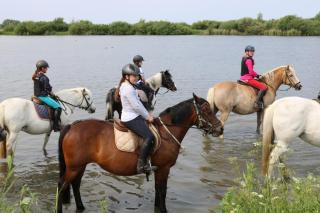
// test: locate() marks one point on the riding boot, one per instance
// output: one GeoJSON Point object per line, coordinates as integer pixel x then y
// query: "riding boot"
{"type": "Point", "coordinates": [56, 120]}
{"type": "Point", "coordinates": [259, 101]}
{"type": "Point", "coordinates": [143, 166]}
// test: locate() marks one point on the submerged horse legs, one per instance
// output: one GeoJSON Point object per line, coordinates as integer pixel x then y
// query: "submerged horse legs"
{"type": "Point", "coordinates": [161, 179]}
{"type": "Point", "coordinates": [46, 139]}
{"type": "Point", "coordinates": [224, 116]}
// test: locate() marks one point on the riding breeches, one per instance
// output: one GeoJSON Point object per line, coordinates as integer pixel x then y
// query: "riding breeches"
{"type": "Point", "coordinates": [50, 102]}
{"type": "Point", "coordinates": [257, 84]}
{"type": "Point", "coordinates": [139, 126]}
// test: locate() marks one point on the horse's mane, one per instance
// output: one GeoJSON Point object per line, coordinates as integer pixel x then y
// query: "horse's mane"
{"type": "Point", "coordinates": [274, 69]}
{"type": "Point", "coordinates": [180, 111]}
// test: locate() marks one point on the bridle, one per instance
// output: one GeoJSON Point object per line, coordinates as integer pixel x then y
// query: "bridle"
{"type": "Point", "coordinates": [84, 98]}
{"type": "Point", "coordinates": [202, 123]}
{"type": "Point", "coordinates": [292, 84]}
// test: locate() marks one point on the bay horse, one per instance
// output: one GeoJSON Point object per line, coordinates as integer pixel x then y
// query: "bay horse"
{"type": "Point", "coordinates": [91, 140]}
{"type": "Point", "coordinates": [228, 96]}
{"type": "Point", "coordinates": [18, 114]}
{"type": "Point", "coordinates": [284, 120]}
{"type": "Point", "coordinates": [160, 79]}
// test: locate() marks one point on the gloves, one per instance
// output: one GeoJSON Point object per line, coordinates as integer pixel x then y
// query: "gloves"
{"type": "Point", "coordinates": [258, 76]}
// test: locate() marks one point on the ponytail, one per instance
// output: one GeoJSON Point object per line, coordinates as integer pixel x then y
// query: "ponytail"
{"type": "Point", "coordinates": [117, 92]}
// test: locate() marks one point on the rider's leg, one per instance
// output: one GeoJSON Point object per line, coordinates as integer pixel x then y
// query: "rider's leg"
{"type": "Point", "coordinates": [262, 91]}
{"type": "Point", "coordinates": [57, 111]}
{"type": "Point", "coordinates": [139, 126]}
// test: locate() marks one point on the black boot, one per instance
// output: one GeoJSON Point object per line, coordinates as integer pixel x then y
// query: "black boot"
{"type": "Point", "coordinates": [143, 166]}
{"type": "Point", "coordinates": [259, 101]}
{"type": "Point", "coordinates": [56, 120]}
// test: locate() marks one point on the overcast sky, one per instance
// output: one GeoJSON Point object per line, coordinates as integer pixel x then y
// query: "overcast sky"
{"type": "Point", "coordinates": [104, 11]}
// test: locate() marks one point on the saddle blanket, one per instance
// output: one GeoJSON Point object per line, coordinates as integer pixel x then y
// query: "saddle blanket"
{"type": "Point", "coordinates": [128, 141]}
{"type": "Point", "coordinates": [43, 111]}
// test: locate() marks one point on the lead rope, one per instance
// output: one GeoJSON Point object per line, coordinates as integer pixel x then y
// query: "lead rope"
{"type": "Point", "coordinates": [175, 139]}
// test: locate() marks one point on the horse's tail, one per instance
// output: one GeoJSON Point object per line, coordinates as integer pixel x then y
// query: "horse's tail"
{"type": "Point", "coordinates": [62, 164]}
{"type": "Point", "coordinates": [268, 138]}
{"type": "Point", "coordinates": [109, 104]}
{"type": "Point", "coordinates": [210, 98]}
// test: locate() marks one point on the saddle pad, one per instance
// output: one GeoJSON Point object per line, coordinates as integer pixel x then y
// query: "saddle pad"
{"type": "Point", "coordinates": [42, 111]}
{"type": "Point", "coordinates": [130, 142]}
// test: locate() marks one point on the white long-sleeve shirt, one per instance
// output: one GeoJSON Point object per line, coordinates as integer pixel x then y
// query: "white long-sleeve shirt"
{"type": "Point", "coordinates": [131, 104]}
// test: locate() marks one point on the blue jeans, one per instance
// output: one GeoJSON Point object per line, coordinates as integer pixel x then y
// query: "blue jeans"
{"type": "Point", "coordinates": [50, 102]}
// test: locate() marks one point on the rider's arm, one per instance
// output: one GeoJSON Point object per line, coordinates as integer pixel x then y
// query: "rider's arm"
{"type": "Point", "coordinates": [250, 68]}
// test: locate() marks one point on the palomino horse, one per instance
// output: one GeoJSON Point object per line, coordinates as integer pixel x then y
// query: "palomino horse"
{"type": "Point", "coordinates": [90, 141]}
{"type": "Point", "coordinates": [18, 114]}
{"type": "Point", "coordinates": [231, 96]}
{"type": "Point", "coordinates": [161, 79]}
{"type": "Point", "coordinates": [284, 120]}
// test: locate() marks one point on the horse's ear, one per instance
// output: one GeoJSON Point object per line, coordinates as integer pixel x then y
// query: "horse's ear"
{"type": "Point", "coordinates": [288, 66]}
{"type": "Point", "coordinates": [84, 90]}
{"type": "Point", "coordinates": [196, 98]}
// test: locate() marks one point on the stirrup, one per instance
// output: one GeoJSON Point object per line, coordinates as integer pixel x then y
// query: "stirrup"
{"type": "Point", "coordinates": [258, 105]}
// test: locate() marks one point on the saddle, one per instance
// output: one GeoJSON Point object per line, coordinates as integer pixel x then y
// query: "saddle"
{"type": "Point", "coordinates": [245, 83]}
{"type": "Point", "coordinates": [128, 141]}
{"type": "Point", "coordinates": [44, 112]}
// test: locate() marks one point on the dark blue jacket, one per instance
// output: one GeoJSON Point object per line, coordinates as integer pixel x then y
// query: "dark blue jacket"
{"type": "Point", "coordinates": [42, 85]}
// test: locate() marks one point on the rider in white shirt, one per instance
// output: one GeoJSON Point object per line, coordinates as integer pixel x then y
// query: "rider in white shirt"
{"type": "Point", "coordinates": [134, 115]}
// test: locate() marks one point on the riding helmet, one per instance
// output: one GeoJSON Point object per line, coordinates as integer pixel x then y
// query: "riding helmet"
{"type": "Point", "coordinates": [137, 59]}
{"type": "Point", "coordinates": [42, 63]}
{"type": "Point", "coordinates": [249, 48]}
{"type": "Point", "coordinates": [130, 69]}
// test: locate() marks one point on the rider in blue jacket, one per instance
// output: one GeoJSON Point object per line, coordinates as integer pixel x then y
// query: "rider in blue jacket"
{"type": "Point", "coordinates": [43, 91]}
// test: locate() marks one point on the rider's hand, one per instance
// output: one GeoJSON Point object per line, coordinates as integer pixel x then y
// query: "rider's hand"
{"type": "Point", "coordinates": [150, 118]}
{"type": "Point", "coordinates": [258, 76]}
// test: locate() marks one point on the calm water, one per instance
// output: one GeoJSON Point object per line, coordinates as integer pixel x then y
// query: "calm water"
{"type": "Point", "coordinates": [203, 172]}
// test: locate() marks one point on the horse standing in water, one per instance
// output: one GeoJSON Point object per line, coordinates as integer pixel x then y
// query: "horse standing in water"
{"type": "Point", "coordinates": [17, 114]}
{"type": "Point", "coordinates": [284, 120]}
{"type": "Point", "coordinates": [231, 96]}
{"type": "Point", "coordinates": [161, 79]}
{"type": "Point", "coordinates": [90, 141]}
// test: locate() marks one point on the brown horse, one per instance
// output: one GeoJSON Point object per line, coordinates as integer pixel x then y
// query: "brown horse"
{"type": "Point", "coordinates": [93, 141]}
{"type": "Point", "coordinates": [230, 96]}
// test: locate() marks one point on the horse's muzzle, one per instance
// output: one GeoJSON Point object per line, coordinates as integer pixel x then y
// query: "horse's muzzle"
{"type": "Point", "coordinates": [217, 131]}
{"type": "Point", "coordinates": [298, 86]}
{"type": "Point", "coordinates": [91, 110]}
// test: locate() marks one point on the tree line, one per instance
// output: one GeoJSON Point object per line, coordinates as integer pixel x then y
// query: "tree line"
{"type": "Point", "coordinates": [290, 25]}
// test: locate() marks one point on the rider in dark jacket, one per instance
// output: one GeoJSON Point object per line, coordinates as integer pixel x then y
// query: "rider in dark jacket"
{"type": "Point", "coordinates": [43, 91]}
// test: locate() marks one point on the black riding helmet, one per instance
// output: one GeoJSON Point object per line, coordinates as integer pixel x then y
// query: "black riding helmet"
{"type": "Point", "coordinates": [137, 59]}
{"type": "Point", "coordinates": [130, 69]}
{"type": "Point", "coordinates": [249, 48]}
{"type": "Point", "coordinates": [42, 63]}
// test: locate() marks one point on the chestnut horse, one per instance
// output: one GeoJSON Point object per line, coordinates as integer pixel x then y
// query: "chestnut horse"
{"type": "Point", "coordinates": [231, 96]}
{"type": "Point", "coordinates": [91, 140]}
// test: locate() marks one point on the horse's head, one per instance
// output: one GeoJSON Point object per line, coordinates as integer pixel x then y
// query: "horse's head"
{"type": "Point", "coordinates": [84, 99]}
{"type": "Point", "coordinates": [290, 78]}
{"type": "Point", "coordinates": [167, 81]}
{"type": "Point", "coordinates": [206, 119]}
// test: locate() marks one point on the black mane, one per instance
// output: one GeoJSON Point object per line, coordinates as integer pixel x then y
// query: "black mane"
{"type": "Point", "coordinates": [180, 111]}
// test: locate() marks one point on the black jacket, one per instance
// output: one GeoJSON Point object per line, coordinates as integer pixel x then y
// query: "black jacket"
{"type": "Point", "coordinates": [42, 85]}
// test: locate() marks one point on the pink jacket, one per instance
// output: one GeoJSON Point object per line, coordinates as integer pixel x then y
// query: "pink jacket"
{"type": "Point", "coordinates": [251, 73]}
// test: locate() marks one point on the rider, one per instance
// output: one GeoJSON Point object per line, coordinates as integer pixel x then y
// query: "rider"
{"type": "Point", "coordinates": [248, 75]}
{"type": "Point", "coordinates": [43, 91]}
{"type": "Point", "coordinates": [141, 84]}
{"type": "Point", "coordinates": [134, 115]}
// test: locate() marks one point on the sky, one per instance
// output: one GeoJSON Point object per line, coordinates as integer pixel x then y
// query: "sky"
{"type": "Point", "coordinates": [189, 11]}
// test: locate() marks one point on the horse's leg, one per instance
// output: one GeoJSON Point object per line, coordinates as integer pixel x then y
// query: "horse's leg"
{"type": "Point", "coordinates": [161, 179]}
{"type": "Point", "coordinates": [11, 139]}
{"type": "Point", "coordinates": [259, 120]}
{"type": "Point", "coordinates": [76, 190]}
{"type": "Point", "coordinates": [62, 187]}
{"type": "Point", "coordinates": [224, 116]}
{"type": "Point", "coordinates": [46, 139]}
{"type": "Point", "coordinates": [278, 150]}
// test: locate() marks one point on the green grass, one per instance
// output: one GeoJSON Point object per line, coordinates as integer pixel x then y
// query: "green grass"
{"type": "Point", "coordinates": [255, 194]}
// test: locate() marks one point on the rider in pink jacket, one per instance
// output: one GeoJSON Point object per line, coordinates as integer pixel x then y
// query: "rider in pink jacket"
{"type": "Point", "coordinates": [248, 75]}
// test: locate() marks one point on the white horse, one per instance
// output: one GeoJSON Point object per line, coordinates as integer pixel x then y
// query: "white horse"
{"type": "Point", "coordinates": [284, 120]}
{"type": "Point", "coordinates": [18, 114]}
